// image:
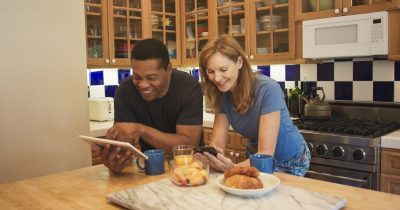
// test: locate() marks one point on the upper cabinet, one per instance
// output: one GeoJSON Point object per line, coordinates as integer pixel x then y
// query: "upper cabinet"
{"type": "Point", "coordinates": [263, 28]}
{"type": "Point", "coordinates": [113, 28]}
{"type": "Point", "coordinates": [196, 19]}
{"type": "Point", "coordinates": [165, 25]}
{"type": "Point", "coordinates": [315, 9]}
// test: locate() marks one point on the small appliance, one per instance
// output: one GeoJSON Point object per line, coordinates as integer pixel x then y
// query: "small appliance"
{"type": "Point", "coordinates": [101, 109]}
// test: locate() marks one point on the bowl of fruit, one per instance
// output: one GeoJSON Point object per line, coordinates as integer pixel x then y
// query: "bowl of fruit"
{"type": "Point", "coordinates": [188, 170]}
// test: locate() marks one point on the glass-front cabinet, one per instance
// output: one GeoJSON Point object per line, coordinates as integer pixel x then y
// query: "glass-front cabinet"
{"type": "Point", "coordinates": [230, 19]}
{"type": "Point", "coordinates": [315, 9]}
{"type": "Point", "coordinates": [196, 19]}
{"type": "Point", "coordinates": [113, 28]}
{"type": "Point", "coordinates": [272, 34]}
{"type": "Point", "coordinates": [165, 26]}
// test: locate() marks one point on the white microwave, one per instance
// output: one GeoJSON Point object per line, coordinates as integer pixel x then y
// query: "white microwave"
{"type": "Point", "coordinates": [346, 36]}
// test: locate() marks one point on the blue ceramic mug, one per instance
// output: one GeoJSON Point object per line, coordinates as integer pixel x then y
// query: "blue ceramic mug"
{"type": "Point", "coordinates": [155, 164]}
{"type": "Point", "coordinates": [264, 163]}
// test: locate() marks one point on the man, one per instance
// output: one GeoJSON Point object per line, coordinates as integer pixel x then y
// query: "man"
{"type": "Point", "coordinates": [159, 106]}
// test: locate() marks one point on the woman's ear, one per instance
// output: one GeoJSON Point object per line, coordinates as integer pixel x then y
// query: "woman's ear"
{"type": "Point", "coordinates": [239, 62]}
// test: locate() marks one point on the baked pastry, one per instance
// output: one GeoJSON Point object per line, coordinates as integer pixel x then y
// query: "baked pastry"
{"type": "Point", "coordinates": [239, 181]}
{"type": "Point", "coordinates": [243, 178]}
{"type": "Point", "coordinates": [247, 171]}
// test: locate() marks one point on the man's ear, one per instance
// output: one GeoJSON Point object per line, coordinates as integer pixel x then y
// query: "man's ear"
{"type": "Point", "coordinates": [239, 62]}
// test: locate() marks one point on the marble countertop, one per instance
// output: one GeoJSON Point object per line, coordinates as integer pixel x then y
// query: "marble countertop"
{"type": "Point", "coordinates": [391, 140]}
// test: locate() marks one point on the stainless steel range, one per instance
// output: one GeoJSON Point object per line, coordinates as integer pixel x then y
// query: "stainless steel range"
{"type": "Point", "coordinates": [346, 148]}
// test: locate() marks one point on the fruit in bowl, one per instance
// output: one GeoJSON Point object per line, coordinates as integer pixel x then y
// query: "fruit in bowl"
{"type": "Point", "coordinates": [188, 173]}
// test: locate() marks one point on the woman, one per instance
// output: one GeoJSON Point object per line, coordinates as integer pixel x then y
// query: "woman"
{"type": "Point", "coordinates": [253, 105]}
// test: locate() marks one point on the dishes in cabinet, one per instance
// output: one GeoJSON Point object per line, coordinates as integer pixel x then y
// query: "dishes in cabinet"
{"type": "Point", "coordinates": [265, 22]}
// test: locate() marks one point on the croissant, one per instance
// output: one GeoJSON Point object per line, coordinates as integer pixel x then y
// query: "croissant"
{"type": "Point", "coordinates": [248, 171]}
{"type": "Point", "coordinates": [239, 181]}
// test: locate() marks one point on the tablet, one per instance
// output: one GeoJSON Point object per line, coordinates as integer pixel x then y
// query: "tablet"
{"type": "Point", "coordinates": [124, 145]}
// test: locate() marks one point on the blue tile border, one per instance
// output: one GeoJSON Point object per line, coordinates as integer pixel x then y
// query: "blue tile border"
{"type": "Point", "coordinates": [362, 71]}
{"type": "Point", "coordinates": [110, 90]}
{"type": "Point", "coordinates": [383, 91]}
{"type": "Point", "coordinates": [292, 72]}
{"type": "Point", "coordinates": [343, 90]}
{"type": "Point", "coordinates": [325, 72]}
{"type": "Point", "coordinates": [396, 71]}
{"type": "Point", "coordinates": [122, 74]}
{"type": "Point", "coordinates": [96, 78]}
{"type": "Point", "coordinates": [266, 70]}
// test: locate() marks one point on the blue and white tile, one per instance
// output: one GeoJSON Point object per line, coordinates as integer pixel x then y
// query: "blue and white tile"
{"type": "Point", "coordinates": [88, 76]}
{"type": "Point", "coordinates": [383, 71]}
{"type": "Point", "coordinates": [110, 76]}
{"type": "Point", "coordinates": [289, 85]}
{"type": "Point", "coordinates": [97, 91]}
{"type": "Point", "coordinates": [397, 91]}
{"type": "Point", "coordinates": [383, 91]}
{"type": "Point", "coordinates": [362, 90]}
{"type": "Point", "coordinates": [308, 72]}
{"type": "Point", "coordinates": [278, 72]}
{"type": "Point", "coordinates": [343, 71]}
{"type": "Point", "coordinates": [329, 89]}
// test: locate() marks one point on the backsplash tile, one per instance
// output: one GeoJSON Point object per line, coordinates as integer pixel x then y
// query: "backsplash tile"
{"type": "Point", "coordinates": [383, 91]}
{"type": "Point", "coordinates": [362, 71]}
{"type": "Point", "coordinates": [308, 72]}
{"type": "Point", "coordinates": [383, 71]}
{"type": "Point", "coordinates": [397, 71]}
{"type": "Point", "coordinates": [292, 72]}
{"type": "Point", "coordinates": [110, 90]}
{"type": "Point", "coordinates": [123, 73]}
{"type": "Point", "coordinates": [325, 72]}
{"type": "Point", "coordinates": [343, 90]}
{"type": "Point", "coordinates": [362, 91]}
{"type": "Point", "coordinates": [343, 71]}
{"type": "Point", "coordinates": [96, 78]}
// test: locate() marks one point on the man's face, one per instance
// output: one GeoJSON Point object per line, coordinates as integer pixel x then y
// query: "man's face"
{"type": "Point", "coordinates": [151, 79]}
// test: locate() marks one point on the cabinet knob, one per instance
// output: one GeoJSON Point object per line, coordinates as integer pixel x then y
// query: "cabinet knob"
{"type": "Point", "coordinates": [231, 154]}
{"type": "Point", "coordinates": [107, 60]}
{"type": "Point", "coordinates": [237, 154]}
{"type": "Point", "coordinates": [337, 11]}
{"type": "Point", "coordinates": [251, 57]}
{"type": "Point", "coordinates": [345, 10]}
{"type": "Point", "coordinates": [113, 60]}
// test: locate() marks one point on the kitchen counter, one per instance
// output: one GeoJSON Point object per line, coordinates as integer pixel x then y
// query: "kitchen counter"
{"type": "Point", "coordinates": [391, 140]}
{"type": "Point", "coordinates": [87, 188]}
{"type": "Point", "coordinates": [99, 129]}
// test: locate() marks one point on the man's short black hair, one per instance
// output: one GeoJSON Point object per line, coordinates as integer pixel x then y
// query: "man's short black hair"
{"type": "Point", "coordinates": [151, 49]}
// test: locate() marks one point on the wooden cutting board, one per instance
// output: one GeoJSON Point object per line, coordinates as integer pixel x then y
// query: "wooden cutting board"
{"type": "Point", "coordinates": [163, 194]}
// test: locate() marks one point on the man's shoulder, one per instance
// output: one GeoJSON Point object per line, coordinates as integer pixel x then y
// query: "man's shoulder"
{"type": "Point", "coordinates": [184, 80]}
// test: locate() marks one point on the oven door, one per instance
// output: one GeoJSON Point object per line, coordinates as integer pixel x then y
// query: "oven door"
{"type": "Point", "coordinates": [355, 178]}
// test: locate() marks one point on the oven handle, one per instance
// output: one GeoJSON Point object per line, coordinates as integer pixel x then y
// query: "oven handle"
{"type": "Point", "coordinates": [340, 177]}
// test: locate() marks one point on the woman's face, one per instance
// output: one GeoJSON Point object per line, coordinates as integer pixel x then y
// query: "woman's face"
{"type": "Point", "coordinates": [223, 72]}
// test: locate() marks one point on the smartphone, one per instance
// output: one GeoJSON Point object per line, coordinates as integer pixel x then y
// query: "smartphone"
{"type": "Point", "coordinates": [208, 149]}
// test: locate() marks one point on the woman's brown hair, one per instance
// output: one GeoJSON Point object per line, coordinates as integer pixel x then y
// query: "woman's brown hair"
{"type": "Point", "coordinates": [242, 97]}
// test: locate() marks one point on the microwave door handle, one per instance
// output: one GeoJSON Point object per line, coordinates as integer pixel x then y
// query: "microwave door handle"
{"type": "Point", "coordinates": [339, 177]}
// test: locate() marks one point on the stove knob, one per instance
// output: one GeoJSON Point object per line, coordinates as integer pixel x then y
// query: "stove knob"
{"type": "Point", "coordinates": [310, 146]}
{"type": "Point", "coordinates": [358, 154]}
{"type": "Point", "coordinates": [338, 151]}
{"type": "Point", "coordinates": [322, 149]}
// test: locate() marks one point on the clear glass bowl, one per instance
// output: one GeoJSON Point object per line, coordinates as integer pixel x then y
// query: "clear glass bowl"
{"type": "Point", "coordinates": [190, 174]}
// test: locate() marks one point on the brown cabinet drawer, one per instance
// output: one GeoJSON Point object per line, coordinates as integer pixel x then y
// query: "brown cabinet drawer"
{"type": "Point", "coordinates": [390, 183]}
{"type": "Point", "coordinates": [390, 161]}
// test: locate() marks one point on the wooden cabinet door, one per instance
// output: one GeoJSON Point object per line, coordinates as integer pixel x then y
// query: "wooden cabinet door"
{"type": "Point", "coordinates": [196, 19]}
{"type": "Point", "coordinates": [231, 143]}
{"type": "Point", "coordinates": [165, 25]}
{"type": "Point", "coordinates": [364, 6]}
{"type": "Point", "coordinates": [230, 153]}
{"type": "Point", "coordinates": [231, 17]}
{"type": "Point", "coordinates": [96, 32]}
{"type": "Point", "coordinates": [390, 183]}
{"type": "Point", "coordinates": [390, 161]}
{"type": "Point", "coordinates": [207, 135]}
{"type": "Point", "coordinates": [272, 31]}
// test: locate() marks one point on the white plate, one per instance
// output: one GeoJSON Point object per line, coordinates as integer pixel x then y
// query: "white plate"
{"type": "Point", "coordinates": [269, 182]}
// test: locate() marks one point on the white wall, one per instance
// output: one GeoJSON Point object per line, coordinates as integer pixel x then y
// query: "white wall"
{"type": "Point", "coordinates": [43, 105]}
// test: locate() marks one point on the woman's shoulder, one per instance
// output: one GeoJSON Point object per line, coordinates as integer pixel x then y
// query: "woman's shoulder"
{"type": "Point", "coordinates": [265, 82]}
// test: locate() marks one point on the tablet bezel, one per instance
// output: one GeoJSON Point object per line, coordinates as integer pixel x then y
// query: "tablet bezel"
{"type": "Point", "coordinates": [102, 142]}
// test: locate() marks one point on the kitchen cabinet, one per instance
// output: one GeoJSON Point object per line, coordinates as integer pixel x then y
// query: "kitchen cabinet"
{"type": "Point", "coordinates": [264, 29]}
{"type": "Point", "coordinates": [164, 18]}
{"type": "Point", "coordinates": [196, 18]}
{"type": "Point", "coordinates": [315, 9]}
{"type": "Point", "coordinates": [113, 28]}
{"type": "Point", "coordinates": [235, 147]}
{"type": "Point", "coordinates": [390, 171]}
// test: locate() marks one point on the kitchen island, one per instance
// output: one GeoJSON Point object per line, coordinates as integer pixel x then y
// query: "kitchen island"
{"type": "Point", "coordinates": [87, 188]}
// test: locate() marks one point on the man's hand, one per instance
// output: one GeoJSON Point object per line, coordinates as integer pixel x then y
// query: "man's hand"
{"type": "Point", "coordinates": [113, 159]}
{"type": "Point", "coordinates": [125, 132]}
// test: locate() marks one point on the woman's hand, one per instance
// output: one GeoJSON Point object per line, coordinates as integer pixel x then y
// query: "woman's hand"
{"type": "Point", "coordinates": [219, 162]}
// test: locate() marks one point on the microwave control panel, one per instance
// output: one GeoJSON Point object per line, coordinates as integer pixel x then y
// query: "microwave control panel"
{"type": "Point", "coordinates": [378, 31]}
